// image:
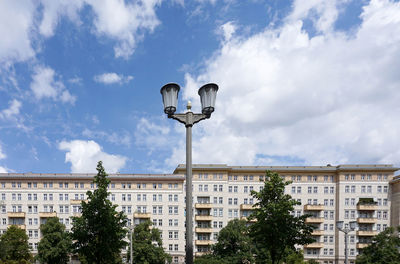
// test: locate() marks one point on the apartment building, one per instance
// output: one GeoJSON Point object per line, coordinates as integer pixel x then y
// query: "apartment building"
{"type": "Point", "coordinates": [362, 193]}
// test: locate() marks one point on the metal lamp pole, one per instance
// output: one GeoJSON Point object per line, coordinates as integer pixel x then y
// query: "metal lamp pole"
{"type": "Point", "coordinates": [339, 225]}
{"type": "Point", "coordinates": [207, 94]}
{"type": "Point", "coordinates": [131, 228]}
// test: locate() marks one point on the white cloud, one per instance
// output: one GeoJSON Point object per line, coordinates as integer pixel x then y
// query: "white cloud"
{"type": "Point", "coordinates": [151, 135]}
{"type": "Point", "coordinates": [227, 30]}
{"type": "Point", "coordinates": [322, 13]}
{"type": "Point", "coordinates": [12, 110]}
{"type": "Point", "coordinates": [2, 155]}
{"type": "Point", "coordinates": [112, 77]}
{"type": "Point", "coordinates": [84, 155]}
{"type": "Point", "coordinates": [3, 170]}
{"type": "Point", "coordinates": [286, 97]}
{"type": "Point", "coordinates": [124, 22]}
{"type": "Point", "coordinates": [16, 21]}
{"type": "Point", "coordinates": [53, 12]}
{"type": "Point", "coordinates": [24, 22]}
{"type": "Point", "coordinates": [118, 139]}
{"type": "Point", "coordinates": [44, 85]}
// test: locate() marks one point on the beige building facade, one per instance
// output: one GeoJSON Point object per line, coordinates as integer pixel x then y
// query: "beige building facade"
{"type": "Point", "coordinates": [367, 194]}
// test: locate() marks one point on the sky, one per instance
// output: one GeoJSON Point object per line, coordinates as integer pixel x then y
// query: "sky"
{"type": "Point", "coordinates": [302, 82]}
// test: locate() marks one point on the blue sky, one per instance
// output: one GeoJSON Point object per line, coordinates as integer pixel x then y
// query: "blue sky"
{"type": "Point", "coordinates": [301, 83]}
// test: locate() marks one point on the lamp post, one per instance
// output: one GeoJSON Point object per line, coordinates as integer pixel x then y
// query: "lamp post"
{"type": "Point", "coordinates": [130, 228]}
{"type": "Point", "coordinates": [346, 230]}
{"type": "Point", "coordinates": [207, 94]}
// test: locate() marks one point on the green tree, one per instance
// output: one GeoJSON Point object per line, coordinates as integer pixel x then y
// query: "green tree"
{"type": "Point", "coordinates": [234, 243]}
{"type": "Point", "coordinates": [14, 243]}
{"type": "Point", "coordinates": [384, 249]}
{"type": "Point", "coordinates": [147, 245]}
{"type": "Point", "coordinates": [56, 244]}
{"type": "Point", "coordinates": [294, 257]}
{"type": "Point", "coordinates": [100, 231]}
{"type": "Point", "coordinates": [276, 230]}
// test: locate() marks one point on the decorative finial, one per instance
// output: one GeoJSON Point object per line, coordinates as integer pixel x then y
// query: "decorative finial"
{"type": "Point", "coordinates": [189, 105]}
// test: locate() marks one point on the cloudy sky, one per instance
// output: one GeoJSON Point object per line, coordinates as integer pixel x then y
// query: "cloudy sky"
{"type": "Point", "coordinates": [303, 82]}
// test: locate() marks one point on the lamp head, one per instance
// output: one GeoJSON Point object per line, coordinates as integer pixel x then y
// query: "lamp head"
{"type": "Point", "coordinates": [208, 94]}
{"type": "Point", "coordinates": [353, 225]}
{"type": "Point", "coordinates": [339, 224]}
{"type": "Point", "coordinates": [169, 94]}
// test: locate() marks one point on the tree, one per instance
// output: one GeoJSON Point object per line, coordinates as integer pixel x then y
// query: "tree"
{"type": "Point", "coordinates": [100, 231]}
{"type": "Point", "coordinates": [56, 244]}
{"type": "Point", "coordinates": [147, 245]}
{"type": "Point", "coordinates": [383, 249]}
{"type": "Point", "coordinates": [234, 243]}
{"type": "Point", "coordinates": [14, 243]}
{"type": "Point", "coordinates": [276, 229]}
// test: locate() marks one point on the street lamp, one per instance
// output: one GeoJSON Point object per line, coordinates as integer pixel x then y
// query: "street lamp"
{"type": "Point", "coordinates": [207, 94]}
{"type": "Point", "coordinates": [346, 230]}
{"type": "Point", "coordinates": [130, 230]}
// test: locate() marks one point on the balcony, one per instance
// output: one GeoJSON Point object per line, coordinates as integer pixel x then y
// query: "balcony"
{"type": "Point", "coordinates": [362, 245]}
{"type": "Point", "coordinates": [203, 242]}
{"type": "Point", "coordinates": [246, 207]}
{"type": "Point", "coordinates": [367, 233]}
{"type": "Point", "coordinates": [314, 245]}
{"type": "Point", "coordinates": [16, 214]}
{"type": "Point", "coordinates": [314, 220]}
{"type": "Point", "coordinates": [77, 201]}
{"type": "Point", "coordinates": [246, 219]}
{"type": "Point", "coordinates": [203, 205]}
{"type": "Point", "coordinates": [367, 207]}
{"type": "Point", "coordinates": [142, 215]}
{"type": "Point", "coordinates": [366, 220]}
{"type": "Point", "coordinates": [47, 214]}
{"type": "Point", "coordinates": [77, 214]}
{"type": "Point", "coordinates": [204, 230]}
{"type": "Point", "coordinates": [317, 232]}
{"type": "Point", "coordinates": [199, 254]}
{"type": "Point", "coordinates": [313, 207]}
{"type": "Point", "coordinates": [19, 226]}
{"type": "Point", "coordinates": [203, 218]}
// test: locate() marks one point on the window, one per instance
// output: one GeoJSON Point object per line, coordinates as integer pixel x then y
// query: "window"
{"type": "Point", "coordinates": [346, 201]}
{"type": "Point", "coordinates": [326, 189]}
{"type": "Point", "coordinates": [315, 189]}
{"type": "Point", "coordinates": [363, 189]}
{"type": "Point", "coordinates": [309, 189]}
{"type": "Point", "coordinates": [298, 189]}
{"type": "Point", "coordinates": [293, 189]}
{"type": "Point", "coordinates": [347, 189]}
{"type": "Point", "coordinates": [379, 189]}
{"type": "Point", "coordinates": [235, 189]}
{"type": "Point", "coordinates": [385, 189]}
{"type": "Point", "coordinates": [353, 188]}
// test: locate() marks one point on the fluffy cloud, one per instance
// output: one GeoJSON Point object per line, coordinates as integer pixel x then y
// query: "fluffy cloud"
{"type": "Point", "coordinates": [84, 155]}
{"type": "Point", "coordinates": [11, 111]}
{"type": "Point", "coordinates": [2, 155]}
{"type": "Point", "coordinates": [25, 22]}
{"type": "Point", "coordinates": [124, 22]}
{"type": "Point", "coordinates": [112, 77]}
{"type": "Point", "coordinates": [16, 22]}
{"type": "Point", "coordinates": [290, 98]}
{"type": "Point", "coordinates": [44, 85]}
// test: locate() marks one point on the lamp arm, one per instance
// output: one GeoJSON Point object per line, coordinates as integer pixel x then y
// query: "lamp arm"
{"type": "Point", "coordinates": [189, 118]}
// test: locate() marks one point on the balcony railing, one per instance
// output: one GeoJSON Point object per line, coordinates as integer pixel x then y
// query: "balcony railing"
{"type": "Point", "coordinates": [314, 207]}
{"type": "Point", "coordinates": [367, 233]}
{"type": "Point", "coordinates": [47, 214]}
{"type": "Point", "coordinates": [16, 214]}
{"type": "Point", "coordinates": [203, 205]}
{"type": "Point", "coordinates": [203, 242]}
{"type": "Point", "coordinates": [203, 218]}
{"type": "Point", "coordinates": [366, 220]}
{"type": "Point", "coordinates": [367, 207]}
{"type": "Point", "coordinates": [204, 230]}
{"type": "Point", "coordinates": [314, 245]}
{"type": "Point", "coordinates": [142, 215]}
{"type": "Point", "coordinates": [314, 220]}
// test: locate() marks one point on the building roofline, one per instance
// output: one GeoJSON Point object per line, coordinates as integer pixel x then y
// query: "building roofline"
{"type": "Point", "coordinates": [90, 176]}
{"type": "Point", "coordinates": [327, 168]}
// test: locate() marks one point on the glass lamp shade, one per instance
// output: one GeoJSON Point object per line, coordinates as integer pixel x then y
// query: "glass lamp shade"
{"type": "Point", "coordinates": [169, 94]}
{"type": "Point", "coordinates": [353, 225]}
{"type": "Point", "coordinates": [339, 224]}
{"type": "Point", "coordinates": [208, 93]}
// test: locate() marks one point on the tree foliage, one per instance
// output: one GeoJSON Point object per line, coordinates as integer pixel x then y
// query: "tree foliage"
{"type": "Point", "coordinates": [14, 243]}
{"type": "Point", "coordinates": [56, 244]}
{"type": "Point", "coordinates": [384, 249]}
{"type": "Point", "coordinates": [147, 245]}
{"type": "Point", "coordinates": [100, 231]}
{"type": "Point", "coordinates": [276, 230]}
{"type": "Point", "coordinates": [234, 245]}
